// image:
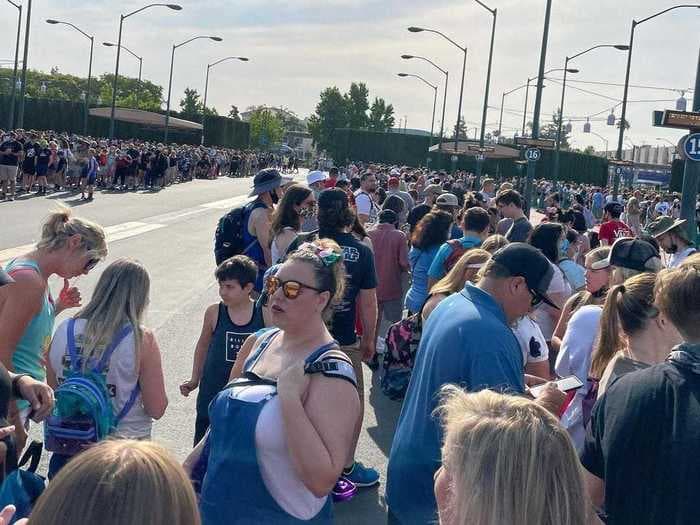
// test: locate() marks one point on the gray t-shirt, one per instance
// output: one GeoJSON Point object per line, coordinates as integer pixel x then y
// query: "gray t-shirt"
{"type": "Point", "coordinates": [519, 231]}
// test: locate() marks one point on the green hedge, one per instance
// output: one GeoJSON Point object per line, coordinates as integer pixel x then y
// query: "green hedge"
{"type": "Point", "coordinates": [411, 150]}
{"type": "Point", "coordinates": [66, 116]}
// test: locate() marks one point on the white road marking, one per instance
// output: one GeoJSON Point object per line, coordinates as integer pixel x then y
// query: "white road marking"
{"type": "Point", "coordinates": [227, 203]}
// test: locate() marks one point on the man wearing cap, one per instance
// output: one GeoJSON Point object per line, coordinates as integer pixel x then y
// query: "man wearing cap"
{"type": "Point", "coordinates": [448, 202]}
{"type": "Point", "coordinates": [258, 218]}
{"type": "Point", "coordinates": [431, 192]}
{"type": "Point", "coordinates": [316, 181]}
{"type": "Point", "coordinates": [10, 152]}
{"type": "Point", "coordinates": [409, 203]}
{"type": "Point", "coordinates": [672, 236]}
{"type": "Point", "coordinates": [613, 228]}
{"type": "Point", "coordinates": [466, 341]}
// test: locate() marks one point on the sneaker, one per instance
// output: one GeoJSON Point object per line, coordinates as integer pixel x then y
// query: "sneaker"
{"type": "Point", "coordinates": [360, 475]}
{"type": "Point", "coordinates": [344, 490]}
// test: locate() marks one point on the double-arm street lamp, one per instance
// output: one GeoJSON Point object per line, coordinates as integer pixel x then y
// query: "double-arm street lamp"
{"type": "Point", "coordinates": [480, 157]}
{"type": "Point", "coordinates": [170, 82]}
{"type": "Point", "coordinates": [561, 104]}
{"type": "Point", "coordinates": [174, 7]}
{"type": "Point", "coordinates": [434, 87]}
{"type": "Point", "coordinates": [140, 59]}
{"type": "Point", "coordinates": [206, 87]}
{"type": "Point", "coordinates": [91, 38]}
{"type": "Point", "coordinates": [414, 29]}
{"type": "Point", "coordinates": [11, 113]}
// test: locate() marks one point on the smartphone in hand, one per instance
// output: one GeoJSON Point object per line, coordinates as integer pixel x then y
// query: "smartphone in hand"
{"type": "Point", "coordinates": [565, 384]}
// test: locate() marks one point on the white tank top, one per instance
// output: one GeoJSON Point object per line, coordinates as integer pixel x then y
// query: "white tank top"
{"type": "Point", "coordinates": [122, 377]}
{"type": "Point", "coordinates": [275, 254]}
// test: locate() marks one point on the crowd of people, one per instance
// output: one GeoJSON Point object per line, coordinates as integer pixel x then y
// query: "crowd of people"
{"type": "Point", "coordinates": [43, 162]}
{"type": "Point", "coordinates": [547, 369]}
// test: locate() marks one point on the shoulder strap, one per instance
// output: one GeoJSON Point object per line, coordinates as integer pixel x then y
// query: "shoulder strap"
{"type": "Point", "coordinates": [331, 362]}
{"type": "Point", "coordinates": [70, 342]}
{"type": "Point", "coordinates": [129, 403]}
{"type": "Point", "coordinates": [116, 341]}
{"type": "Point", "coordinates": [262, 345]}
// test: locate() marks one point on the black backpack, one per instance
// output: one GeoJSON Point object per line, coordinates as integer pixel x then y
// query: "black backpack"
{"type": "Point", "coordinates": [228, 239]}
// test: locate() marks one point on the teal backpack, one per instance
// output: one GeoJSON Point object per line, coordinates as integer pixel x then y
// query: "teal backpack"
{"type": "Point", "coordinates": [83, 413]}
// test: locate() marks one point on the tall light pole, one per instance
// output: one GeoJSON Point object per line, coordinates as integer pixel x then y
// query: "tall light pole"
{"type": "Point", "coordinates": [23, 87]}
{"type": "Point", "coordinates": [206, 87]}
{"type": "Point", "coordinates": [91, 38]}
{"type": "Point", "coordinates": [170, 82]}
{"type": "Point", "coordinates": [623, 121]}
{"type": "Point", "coordinates": [557, 152]}
{"type": "Point", "coordinates": [601, 137]}
{"type": "Point", "coordinates": [11, 114]}
{"type": "Point", "coordinates": [503, 98]}
{"type": "Point", "coordinates": [479, 158]}
{"type": "Point", "coordinates": [140, 59]}
{"type": "Point", "coordinates": [174, 7]}
{"type": "Point", "coordinates": [538, 105]}
{"type": "Point", "coordinates": [414, 29]}
{"type": "Point", "coordinates": [444, 99]}
{"type": "Point", "coordinates": [434, 87]}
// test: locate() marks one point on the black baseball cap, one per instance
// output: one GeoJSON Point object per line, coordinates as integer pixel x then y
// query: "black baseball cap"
{"type": "Point", "coordinates": [633, 254]}
{"type": "Point", "coordinates": [333, 198]}
{"type": "Point", "coordinates": [524, 260]}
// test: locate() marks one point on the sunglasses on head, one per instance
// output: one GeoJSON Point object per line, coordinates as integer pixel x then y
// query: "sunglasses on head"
{"type": "Point", "coordinates": [90, 264]}
{"type": "Point", "coordinates": [290, 288]}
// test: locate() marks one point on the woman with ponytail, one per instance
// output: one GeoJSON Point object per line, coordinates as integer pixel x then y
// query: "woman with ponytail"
{"type": "Point", "coordinates": [68, 247]}
{"type": "Point", "coordinates": [633, 333]}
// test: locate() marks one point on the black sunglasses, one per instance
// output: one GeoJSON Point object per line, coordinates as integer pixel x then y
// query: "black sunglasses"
{"type": "Point", "coordinates": [536, 298]}
{"type": "Point", "coordinates": [290, 288]}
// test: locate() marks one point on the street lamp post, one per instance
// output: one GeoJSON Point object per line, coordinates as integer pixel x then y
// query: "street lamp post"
{"type": "Point", "coordinates": [444, 100]}
{"type": "Point", "coordinates": [479, 158]}
{"type": "Point", "coordinates": [538, 104]}
{"type": "Point", "coordinates": [561, 104]}
{"type": "Point", "coordinates": [174, 7]}
{"type": "Point", "coordinates": [91, 38]}
{"type": "Point", "coordinates": [623, 122]}
{"type": "Point", "coordinates": [434, 87]}
{"type": "Point", "coordinates": [503, 98]}
{"type": "Point", "coordinates": [605, 141]}
{"type": "Point", "coordinates": [170, 82]}
{"type": "Point", "coordinates": [11, 114]}
{"type": "Point", "coordinates": [23, 87]}
{"type": "Point", "coordinates": [206, 87]}
{"type": "Point", "coordinates": [464, 70]}
{"type": "Point", "coordinates": [140, 59]}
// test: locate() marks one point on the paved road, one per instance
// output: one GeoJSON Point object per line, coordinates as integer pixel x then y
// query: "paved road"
{"type": "Point", "coordinates": [171, 232]}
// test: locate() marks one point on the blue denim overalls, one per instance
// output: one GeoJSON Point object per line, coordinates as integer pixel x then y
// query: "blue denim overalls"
{"type": "Point", "coordinates": [233, 490]}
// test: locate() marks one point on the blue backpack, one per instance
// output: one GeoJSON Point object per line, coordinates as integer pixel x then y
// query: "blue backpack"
{"type": "Point", "coordinates": [83, 413]}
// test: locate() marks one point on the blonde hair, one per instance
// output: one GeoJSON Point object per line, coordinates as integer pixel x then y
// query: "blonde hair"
{"type": "Point", "coordinates": [677, 291]}
{"type": "Point", "coordinates": [118, 482]}
{"type": "Point", "coordinates": [460, 273]}
{"type": "Point", "coordinates": [510, 462]}
{"type": "Point", "coordinates": [627, 308]}
{"type": "Point", "coordinates": [120, 298]}
{"type": "Point", "coordinates": [584, 297]}
{"type": "Point", "coordinates": [493, 243]}
{"type": "Point", "coordinates": [60, 225]}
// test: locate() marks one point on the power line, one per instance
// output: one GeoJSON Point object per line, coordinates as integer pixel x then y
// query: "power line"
{"type": "Point", "coordinates": [675, 90]}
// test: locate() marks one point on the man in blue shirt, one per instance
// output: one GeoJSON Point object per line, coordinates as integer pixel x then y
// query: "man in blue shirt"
{"type": "Point", "coordinates": [466, 341]}
{"type": "Point", "coordinates": [476, 226]}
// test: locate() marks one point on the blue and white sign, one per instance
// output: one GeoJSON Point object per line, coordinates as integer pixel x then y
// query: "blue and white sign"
{"type": "Point", "coordinates": [691, 147]}
{"type": "Point", "coordinates": [533, 154]}
{"type": "Point", "coordinates": [618, 170]}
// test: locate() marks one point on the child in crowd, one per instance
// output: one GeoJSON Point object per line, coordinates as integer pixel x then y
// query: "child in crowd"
{"type": "Point", "coordinates": [226, 326]}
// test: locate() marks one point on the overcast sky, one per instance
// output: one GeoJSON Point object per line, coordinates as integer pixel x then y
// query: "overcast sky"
{"type": "Point", "coordinates": [299, 48]}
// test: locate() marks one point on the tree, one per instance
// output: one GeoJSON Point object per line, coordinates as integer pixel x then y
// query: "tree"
{"type": "Point", "coordinates": [190, 106]}
{"type": "Point", "coordinates": [381, 116]}
{"type": "Point", "coordinates": [590, 150]}
{"type": "Point", "coordinates": [462, 129]}
{"type": "Point", "coordinates": [233, 113]}
{"type": "Point", "coordinates": [357, 100]}
{"type": "Point", "coordinates": [550, 130]}
{"type": "Point", "coordinates": [265, 128]}
{"type": "Point", "coordinates": [331, 113]}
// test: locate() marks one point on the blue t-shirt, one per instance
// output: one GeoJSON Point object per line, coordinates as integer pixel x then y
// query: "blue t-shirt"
{"type": "Point", "coordinates": [598, 200]}
{"type": "Point", "coordinates": [437, 268]}
{"type": "Point", "coordinates": [466, 341]}
{"type": "Point", "coordinates": [420, 263]}
{"type": "Point", "coordinates": [456, 232]}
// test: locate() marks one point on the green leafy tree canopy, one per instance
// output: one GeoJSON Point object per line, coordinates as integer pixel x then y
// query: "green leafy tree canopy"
{"type": "Point", "coordinates": [266, 128]}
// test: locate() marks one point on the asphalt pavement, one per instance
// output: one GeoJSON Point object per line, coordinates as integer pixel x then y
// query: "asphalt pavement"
{"type": "Point", "coordinates": [171, 232]}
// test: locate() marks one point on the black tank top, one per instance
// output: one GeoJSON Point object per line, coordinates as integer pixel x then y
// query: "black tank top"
{"type": "Point", "coordinates": [226, 341]}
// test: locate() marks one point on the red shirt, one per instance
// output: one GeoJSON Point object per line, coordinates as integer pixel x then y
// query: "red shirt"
{"type": "Point", "coordinates": [390, 260]}
{"type": "Point", "coordinates": [330, 183]}
{"type": "Point", "coordinates": [614, 229]}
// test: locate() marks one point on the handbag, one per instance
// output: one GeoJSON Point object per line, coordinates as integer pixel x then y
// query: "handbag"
{"type": "Point", "coordinates": [21, 487]}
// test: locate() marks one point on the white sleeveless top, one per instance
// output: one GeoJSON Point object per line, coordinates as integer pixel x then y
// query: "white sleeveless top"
{"type": "Point", "coordinates": [122, 377]}
{"type": "Point", "coordinates": [275, 254]}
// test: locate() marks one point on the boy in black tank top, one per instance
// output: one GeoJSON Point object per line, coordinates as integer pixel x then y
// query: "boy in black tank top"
{"type": "Point", "coordinates": [226, 327]}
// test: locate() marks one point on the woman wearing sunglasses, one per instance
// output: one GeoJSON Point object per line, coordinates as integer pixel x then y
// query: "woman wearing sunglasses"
{"type": "Point", "coordinates": [280, 432]}
{"type": "Point", "coordinates": [69, 247]}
